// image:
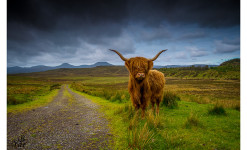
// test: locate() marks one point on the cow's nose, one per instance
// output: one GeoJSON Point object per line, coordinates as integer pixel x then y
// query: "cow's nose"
{"type": "Point", "coordinates": [141, 74]}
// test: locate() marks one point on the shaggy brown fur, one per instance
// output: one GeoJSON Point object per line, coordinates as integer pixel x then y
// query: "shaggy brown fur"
{"type": "Point", "coordinates": [145, 85]}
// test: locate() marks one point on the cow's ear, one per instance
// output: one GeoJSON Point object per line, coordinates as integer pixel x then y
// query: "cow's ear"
{"type": "Point", "coordinates": [150, 65]}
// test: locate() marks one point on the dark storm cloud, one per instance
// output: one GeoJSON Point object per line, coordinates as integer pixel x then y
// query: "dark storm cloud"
{"type": "Point", "coordinates": [46, 14]}
{"type": "Point", "coordinates": [39, 27]}
{"type": "Point", "coordinates": [220, 13]}
{"type": "Point", "coordinates": [67, 28]}
{"type": "Point", "coordinates": [80, 18]}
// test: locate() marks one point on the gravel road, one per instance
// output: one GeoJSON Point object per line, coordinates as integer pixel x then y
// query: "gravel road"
{"type": "Point", "coordinates": [68, 122]}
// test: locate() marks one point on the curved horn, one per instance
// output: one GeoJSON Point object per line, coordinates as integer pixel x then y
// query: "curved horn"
{"type": "Point", "coordinates": [120, 55]}
{"type": "Point", "coordinates": [153, 59]}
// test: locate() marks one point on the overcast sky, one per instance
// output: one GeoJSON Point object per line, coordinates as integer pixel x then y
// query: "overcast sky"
{"type": "Point", "coordinates": [51, 32]}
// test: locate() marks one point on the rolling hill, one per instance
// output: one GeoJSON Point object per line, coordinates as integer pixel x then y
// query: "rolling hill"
{"type": "Point", "coordinates": [99, 71]}
{"type": "Point", "coordinates": [227, 70]}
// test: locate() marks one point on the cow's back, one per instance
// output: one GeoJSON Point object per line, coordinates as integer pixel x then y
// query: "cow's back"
{"type": "Point", "coordinates": [156, 82]}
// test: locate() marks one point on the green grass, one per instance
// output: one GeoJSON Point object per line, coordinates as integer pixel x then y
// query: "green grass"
{"type": "Point", "coordinates": [25, 89]}
{"type": "Point", "coordinates": [218, 132]}
{"type": "Point", "coordinates": [193, 121]}
{"type": "Point", "coordinates": [104, 87]}
{"type": "Point", "coordinates": [188, 126]}
{"type": "Point", "coordinates": [38, 102]}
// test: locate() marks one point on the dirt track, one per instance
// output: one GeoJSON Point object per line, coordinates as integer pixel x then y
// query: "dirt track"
{"type": "Point", "coordinates": [68, 122]}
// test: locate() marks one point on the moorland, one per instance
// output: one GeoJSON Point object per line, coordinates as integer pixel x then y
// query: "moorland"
{"type": "Point", "coordinates": [200, 109]}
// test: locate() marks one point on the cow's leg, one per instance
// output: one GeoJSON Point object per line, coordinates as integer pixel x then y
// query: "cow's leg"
{"type": "Point", "coordinates": [158, 106]}
{"type": "Point", "coordinates": [137, 106]}
{"type": "Point", "coordinates": [144, 103]}
{"type": "Point", "coordinates": [153, 103]}
{"type": "Point", "coordinates": [143, 112]}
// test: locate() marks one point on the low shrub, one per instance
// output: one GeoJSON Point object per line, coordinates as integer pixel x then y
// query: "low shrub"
{"type": "Point", "coordinates": [12, 100]}
{"type": "Point", "coordinates": [217, 110]}
{"type": "Point", "coordinates": [237, 107]}
{"type": "Point", "coordinates": [55, 86]}
{"type": "Point", "coordinates": [116, 97]}
{"type": "Point", "coordinates": [106, 94]}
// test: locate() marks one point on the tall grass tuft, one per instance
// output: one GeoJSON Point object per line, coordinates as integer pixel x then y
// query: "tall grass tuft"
{"type": "Point", "coordinates": [127, 111]}
{"type": "Point", "coordinates": [170, 99]}
{"type": "Point", "coordinates": [217, 110]}
{"type": "Point", "coordinates": [140, 136]}
{"type": "Point", "coordinates": [192, 121]}
{"type": "Point", "coordinates": [116, 97]}
{"type": "Point", "coordinates": [141, 132]}
{"type": "Point", "coordinates": [154, 121]}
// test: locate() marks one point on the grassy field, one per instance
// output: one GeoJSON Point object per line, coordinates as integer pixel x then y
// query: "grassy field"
{"type": "Point", "coordinates": [196, 122]}
{"type": "Point", "coordinates": [195, 114]}
{"type": "Point", "coordinates": [25, 93]}
{"type": "Point", "coordinates": [223, 92]}
{"type": "Point", "coordinates": [188, 126]}
{"type": "Point", "coordinates": [206, 117]}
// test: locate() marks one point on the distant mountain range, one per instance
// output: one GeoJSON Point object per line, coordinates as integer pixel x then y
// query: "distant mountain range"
{"type": "Point", "coordinates": [40, 68]}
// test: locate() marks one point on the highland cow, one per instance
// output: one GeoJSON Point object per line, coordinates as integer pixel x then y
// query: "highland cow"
{"type": "Point", "coordinates": [145, 85]}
